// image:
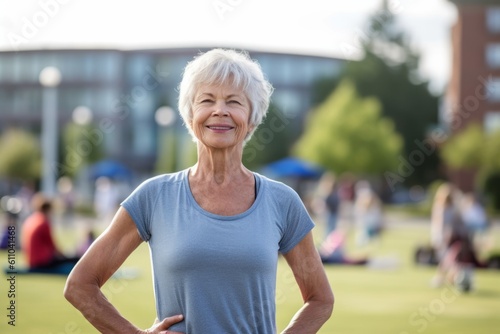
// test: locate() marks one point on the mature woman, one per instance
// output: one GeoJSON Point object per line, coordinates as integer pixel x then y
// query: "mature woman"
{"type": "Point", "coordinates": [214, 230]}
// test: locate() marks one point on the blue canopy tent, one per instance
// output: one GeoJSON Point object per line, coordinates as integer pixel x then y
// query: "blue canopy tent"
{"type": "Point", "coordinates": [295, 172]}
{"type": "Point", "coordinates": [293, 168]}
{"type": "Point", "coordinates": [110, 169]}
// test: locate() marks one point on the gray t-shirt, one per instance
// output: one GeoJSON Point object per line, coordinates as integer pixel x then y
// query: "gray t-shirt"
{"type": "Point", "coordinates": [218, 271]}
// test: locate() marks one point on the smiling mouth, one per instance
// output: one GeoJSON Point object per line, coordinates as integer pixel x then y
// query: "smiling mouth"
{"type": "Point", "coordinates": [219, 127]}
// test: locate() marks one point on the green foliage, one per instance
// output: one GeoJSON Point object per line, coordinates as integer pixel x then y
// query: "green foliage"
{"type": "Point", "coordinates": [491, 151]}
{"type": "Point", "coordinates": [21, 156]}
{"type": "Point", "coordinates": [270, 142]}
{"type": "Point", "coordinates": [167, 153]}
{"type": "Point", "coordinates": [80, 146]}
{"type": "Point", "coordinates": [384, 38]}
{"type": "Point", "coordinates": [488, 177]}
{"type": "Point", "coordinates": [347, 134]}
{"type": "Point", "coordinates": [465, 149]}
{"type": "Point", "coordinates": [491, 186]}
{"type": "Point", "coordinates": [189, 154]}
{"type": "Point", "coordinates": [322, 88]}
{"type": "Point", "coordinates": [175, 152]}
{"type": "Point", "coordinates": [472, 148]}
{"type": "Point", "coordinates": [389, 72]}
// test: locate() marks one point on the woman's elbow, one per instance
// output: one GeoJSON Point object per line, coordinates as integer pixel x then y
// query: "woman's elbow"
{"type": "Point", "coordinates": [70, 290]}
{"type": "Point", "coordinates": [76, 289]}
{"type": "Point", "coordinates": [332, 304]}
{"type": "Point", "coordinates": [327, 302]}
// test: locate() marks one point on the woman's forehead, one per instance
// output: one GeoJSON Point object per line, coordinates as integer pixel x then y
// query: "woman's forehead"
{"type": "Point", "coordinates": [224, 89]}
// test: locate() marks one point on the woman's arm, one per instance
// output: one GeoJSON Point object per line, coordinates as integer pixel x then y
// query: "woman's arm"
{"type": "Point", "coordinates": [318, 298]}
{"type": "Point", "coordinates": [104, 257]}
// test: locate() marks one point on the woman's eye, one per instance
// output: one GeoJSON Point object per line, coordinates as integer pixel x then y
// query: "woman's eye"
{"type": "Point", "coordinates": [234, 101]}
{"type": "Point", "coordinates": [206, 101]}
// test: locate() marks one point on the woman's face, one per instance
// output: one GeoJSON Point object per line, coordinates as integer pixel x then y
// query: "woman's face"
{"type": "Point", "coordinates": [221, 116]}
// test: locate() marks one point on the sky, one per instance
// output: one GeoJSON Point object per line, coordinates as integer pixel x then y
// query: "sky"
{"type": "Point", "coordinates": [316, 27]}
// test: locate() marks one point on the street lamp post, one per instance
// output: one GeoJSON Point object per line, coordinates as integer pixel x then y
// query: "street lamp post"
{"type": "Point", "coordinates": [50, 77]}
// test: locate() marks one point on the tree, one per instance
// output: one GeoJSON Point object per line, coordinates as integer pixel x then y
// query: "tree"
{"type": "Point", "coordinates": [271, 141]}
{"type": "Point", "coordinates": [347, 133]}
{"type": "Point", "coordinates": [389, 72]}
{"type": "Point", "coordinates": [473, 148]}
{"type": "Point", "coordinates": [465, 150]}
{"type": "Point", "coordinates": [21, 156]}
{"type": "Point", "coordinates": [81, 145]}
{"type": "Point", "coordinates": [166, 157]}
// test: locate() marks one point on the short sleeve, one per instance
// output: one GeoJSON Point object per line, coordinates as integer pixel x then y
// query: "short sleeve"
{"type": "Point", "coordinates": [297, 223]}
{"type": "Point", "coordinates": [140, 206]}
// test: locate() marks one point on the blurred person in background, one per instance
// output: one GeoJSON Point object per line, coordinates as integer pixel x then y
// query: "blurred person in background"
{"type": "Point", "coordinates": [442, 213]}
{"type": "Point", "coordinates": [67, 197]}
{"type": "Point", "coordinates": [368, 213]}
{"type": "Point", "coordinates": [216, 229]}
{"type": "Point", "coordinates": [25, 195]}
{"type": "Point", "coordinates": [37, 241]}
{"type": "Point", "coordinates": [457, 263]}
{"type": "Point", "coordinates": [326, 203]}
{"type": "Point", "coordinates": [474, 216]}
{"type": "Point", "coordinates": [332, 203]}
{"type": "Point", "coordinates": [105, 200]}
{"type": "Point", "coordinates": [333, 251]}
{"type": "Point", "coordinates": [346, 190]}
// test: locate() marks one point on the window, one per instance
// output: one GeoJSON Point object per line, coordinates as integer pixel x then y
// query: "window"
{"type": "Point", "coordinates": [493, 89]}
{"type": "Point", "coordinates": [6, 67]}
{"type": "Point", "coordinates": [26, 101]}
{"type": "Point", "coordinates": [289, 102]}
{"type": "Point", "coordinates": [493, 19]}
{"type": "Point", "coordinates": [492, 121]}
{"type": "Point", "coordinates": [137, 66]}
{"type": "Point", "coordinates": [6, 101]}
{"type": "Point", "coordinates": [169, 68]}
{"type": "Point", "coordinates": [112, 66]}
{"type": "Point", "coordinates": [493, 55]}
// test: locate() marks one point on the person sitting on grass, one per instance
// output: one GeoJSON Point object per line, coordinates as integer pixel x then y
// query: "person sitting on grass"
{"type": "Point", "coordinates": [37, 241]}
{"type": "Point", "coordinates": [459, 260]}
{"type": "Point", "coordinates": [332, 250]}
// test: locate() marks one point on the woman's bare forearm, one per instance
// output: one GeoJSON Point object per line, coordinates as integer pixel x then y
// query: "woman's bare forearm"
{"type": "Point", "coordinates": [310, 318]}
{"type": "Point", "coordinates": [313, 283]}
{"type": "Point", "coordinates": [94, 306]}
{"type": "Point", "coordinates": [102, 259]}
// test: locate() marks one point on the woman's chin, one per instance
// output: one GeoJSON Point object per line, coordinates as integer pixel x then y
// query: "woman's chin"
{"type": "Point", "coordinates": [219, 144]}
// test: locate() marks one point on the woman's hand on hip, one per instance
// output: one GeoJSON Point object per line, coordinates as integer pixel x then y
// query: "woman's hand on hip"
{"type": "Point", "coordinates": [162, 327]}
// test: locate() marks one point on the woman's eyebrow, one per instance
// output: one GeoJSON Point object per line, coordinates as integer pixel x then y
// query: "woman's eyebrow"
{"type": "Point", "coordinates": [235, 95]}
{"type": "Point", "coordinates": [232, 95]}
{"type": "Point", "coordinates": [209, 94]}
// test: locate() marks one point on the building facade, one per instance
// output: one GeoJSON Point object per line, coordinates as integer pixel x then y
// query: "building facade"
{"type": "Point", "coordinates": [125, 88]}
{"type": "Point", "coordinates": [473, 94]}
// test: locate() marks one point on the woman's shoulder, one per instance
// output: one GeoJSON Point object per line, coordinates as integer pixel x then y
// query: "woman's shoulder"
{"type": "Point", "coordinates": [160, 181]}
{"type": "Point", "coordinates": [276, 187]}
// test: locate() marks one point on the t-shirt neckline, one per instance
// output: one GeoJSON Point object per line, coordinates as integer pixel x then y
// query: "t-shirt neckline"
{"type": "Point", "coordinates": [259, 186]}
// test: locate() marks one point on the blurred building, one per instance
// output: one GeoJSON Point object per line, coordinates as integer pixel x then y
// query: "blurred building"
{"type": "Point", "coordinates": [124, 88]}
{"type": "Point", "coordinates": [474, 90]}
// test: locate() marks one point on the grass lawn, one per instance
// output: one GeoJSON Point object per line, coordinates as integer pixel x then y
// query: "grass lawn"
{"type": "Point", "coordinates": [395, 299]}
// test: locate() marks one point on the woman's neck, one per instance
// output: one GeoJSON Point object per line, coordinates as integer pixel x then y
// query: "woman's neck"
{"type": "Point", "coordinates": [219, 165]}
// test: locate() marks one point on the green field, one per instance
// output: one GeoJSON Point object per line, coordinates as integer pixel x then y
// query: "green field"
{"type": "Point", "coordinates": [396, 298]}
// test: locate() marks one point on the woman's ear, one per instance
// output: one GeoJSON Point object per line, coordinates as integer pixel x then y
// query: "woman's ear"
{"type": "Point", "coordinates": [251, 127]}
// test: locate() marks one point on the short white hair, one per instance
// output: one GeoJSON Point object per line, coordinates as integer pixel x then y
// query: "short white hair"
{"type": "Point", "coordinates": [219, 66]}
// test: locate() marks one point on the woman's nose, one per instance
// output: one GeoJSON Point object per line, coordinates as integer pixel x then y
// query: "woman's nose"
{"type": "Point", "coordinates": [220, 109]}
